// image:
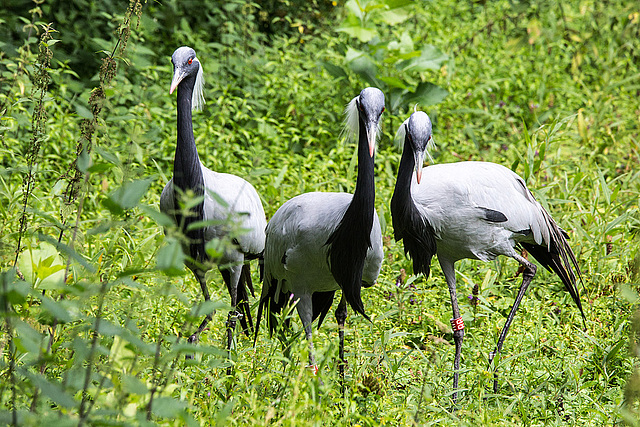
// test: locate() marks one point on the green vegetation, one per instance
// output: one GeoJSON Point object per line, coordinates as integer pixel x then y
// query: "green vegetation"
{"type": "Point", "coordinates": [94, 297]}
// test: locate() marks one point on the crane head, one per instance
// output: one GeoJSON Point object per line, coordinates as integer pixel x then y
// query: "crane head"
{"type": "Point", "coordinates": [185, 63]}
{"type": "Point", "coordinates": [416, 131]}
{"type": "Point", "coordinates": [366, 108]}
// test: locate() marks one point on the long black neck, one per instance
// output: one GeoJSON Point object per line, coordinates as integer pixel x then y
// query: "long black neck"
{"type": "Point", "coordinates": [408, 224]}
{"type": "Point", "coordinates": [351, 240]}
{"type": "Point", "coordinates": [187, 171]}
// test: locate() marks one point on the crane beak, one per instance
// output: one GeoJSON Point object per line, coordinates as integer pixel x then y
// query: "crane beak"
{"type": "Point", "coordinates": [177, 78]}
{"type": "Point", "coordinates": [372, 131]}
{"type": "Point", "coordinates": [419, 159]}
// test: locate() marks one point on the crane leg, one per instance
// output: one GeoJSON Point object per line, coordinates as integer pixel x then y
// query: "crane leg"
{"type": "Point", "coordinates": [193, 338]}
{"type": "Point", "coordinates": [341, 318]}
{"type": "Point", "coordinates": [456, 322]}
{"type": "Point", "coordinates": [305, 311]}
{"type": "Point", "coordinates": [231, 276]}
{"type": "Point", "coordinates": [527, 275]}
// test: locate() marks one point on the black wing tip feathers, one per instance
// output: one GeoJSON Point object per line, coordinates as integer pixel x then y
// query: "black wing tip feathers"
{"type": "Point", "coordinates": [552, 261]}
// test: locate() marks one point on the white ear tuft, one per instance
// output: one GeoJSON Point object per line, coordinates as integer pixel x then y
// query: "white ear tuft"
{"type": "Point", "coordinates": [402, 131]}
{"type": "Point", "coordinates": [431, 145]}
{"type": "Point", "coordinates": [197, 99]}
{"type": "Point", "coordinates": [351, 125]}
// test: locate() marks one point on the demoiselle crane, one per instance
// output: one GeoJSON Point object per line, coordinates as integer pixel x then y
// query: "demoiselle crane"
{"type": "Point", "coordinates": [318, 243]}
{"type": "Point", "coordinates": [473, 210]}
{"type": "Point", "coordinates": [222, 199]}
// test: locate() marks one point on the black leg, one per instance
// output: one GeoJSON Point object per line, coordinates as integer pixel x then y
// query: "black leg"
{"type": "Point", "coordinates": [193, 338]}
{"type": "Point", "coordinates": [341, 318]}
{"type": "Point", "coordinates": [231, 277]}
{"type": "Point", "coordinates": [527, 275]}
{"type": "Point", "coordinates": [456, 322]}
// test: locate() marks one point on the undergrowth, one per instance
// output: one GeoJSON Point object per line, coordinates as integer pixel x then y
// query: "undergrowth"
{"type": "Point", "coordinates": [95, 300]}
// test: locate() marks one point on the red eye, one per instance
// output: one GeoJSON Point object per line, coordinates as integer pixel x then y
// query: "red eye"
{"type": "Point", "coordinates": [383, 108]}
{"type": "Point", "coordinates": [190, 61]}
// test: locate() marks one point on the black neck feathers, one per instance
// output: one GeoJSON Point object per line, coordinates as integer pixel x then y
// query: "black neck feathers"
{"type": "Point", "coordinates": [187, 170]}
{"type": "Point", "coordinates": [408, 224]}
{"type": "Point", "coordinates": [349, 243]}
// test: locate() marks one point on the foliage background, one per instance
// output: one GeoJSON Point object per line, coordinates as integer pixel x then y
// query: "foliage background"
{"type": "Point", "coordinates": [95, 303]}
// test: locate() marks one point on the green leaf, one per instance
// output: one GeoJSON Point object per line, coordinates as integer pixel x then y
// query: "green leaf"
{"type": "Point", "coordinates": [363, 34]}
{"type": "Point", "coordinates": [395, 16]}
{"type": "Point", "coordinates": [160, 218]}
{"type": "Point", "coordinates": [27, 339]}
{"type": "Point", "coordinates": [404, 45]}
{"type": "Point", "coordinates": [363, 65]}
{"type": "Point", "coordinates": [334, 71]}
{"type": "Point", "coordinates": [128, 196]}
{"type": "Point", "coordinates": [167, 407]}
{"type": "Point", "coordinates": [171, 258]}
{"type": "Point", "coordinates": [132, 384]}
{"type": "Point", "coordinates": [427, 94]}
{"type": "Point", "coordinates": [431, 58]}
{"type": "Point", "coordinates": [67, 250]}
{"type": "Point", "coordinates": [84, 161]}
{"type": "Point", "coordinates": [50, 389]}
{"type": "Point", "coordinates": [83, 112]}
{"type": "Point", "coordinates": [121, 355]}
{"type": "Point", "coordinates": [42, 266]}
{"type": "Point", "coordinates": [56, 309]}
{"type": "Point", "coordinates": [394, 82]}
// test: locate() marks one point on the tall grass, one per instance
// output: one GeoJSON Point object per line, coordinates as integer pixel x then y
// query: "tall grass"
{"type": "Point", "coordinates": [95, 299]}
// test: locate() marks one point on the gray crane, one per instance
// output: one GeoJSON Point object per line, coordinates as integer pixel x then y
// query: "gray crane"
{"type": "Point", "coordinates": [223, 199]}
{"type": "Point", "coordinates": [318, 243]}
{"type": "Point", "coordinates": [472, 210]}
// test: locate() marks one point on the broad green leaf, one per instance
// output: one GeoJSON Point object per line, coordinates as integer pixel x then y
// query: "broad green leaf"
{"type": "Point", "coordinates": [84, 112]}
{"type": "Point", "coordinates": [50, 389]}
{"type": "Point", "coordinates": [58, 309]}
{"type": "Point", "coordinates": [121, 355]}
{"type": "Point", "coordinates": [334, 71]}
{"type": "Point", "coordinates": [106, 327]}
{"type": "Point", "coordinates": [84, 161]}
{"type": "Point", "coordinates": [353, 6]}
{"type": "Point", "coordinates": [12, 290]}
{"type": "Point", "coordinates": [128, 196]}
{"type": "Point", "coordinates": [167, 407]}
{"type": "Point", "coordinates": [68, 251]}
{"type": "Point", "coordinates": [42, 266]}
{"type": "Point", "coordinates": [427, 94]}
{"type": "Point", "coordinates": [160, 218]}
{"type": "Point", "coordinates": [27, 339]}
{"type": "Point", "coordinates": [170, 258]}
{"type": "Point", "coordinates": [207, 307]}
{"type": "Point", "coordinates": [361, 33]}
{"type": "Point", "coordinates": [394, 82]}
{"type": "Point", "coordinates": [395, 16]}
{"type": "Point", "coordinates": [431, 58]}
{"type": "Point", "coordinates": [363, 65]}
{"type": "Point", "coordinates": [404, 45]}
{"type": "Point", "coordinates": [132, 384]}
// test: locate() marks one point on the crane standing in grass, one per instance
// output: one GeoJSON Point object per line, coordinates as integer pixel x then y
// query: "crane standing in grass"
{"type": "Point", "coordinates": [318, 243]}
{"type": "Point", "coordinates": [223, 200]}
{"type": "Point", "coordinates": [474, 210]}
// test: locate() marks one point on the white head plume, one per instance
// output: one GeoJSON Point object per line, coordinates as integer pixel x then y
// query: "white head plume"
{"type": "Point", "coordinates": [351, 125]}
{"type": "Point", "coordinates": [197, 99]}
